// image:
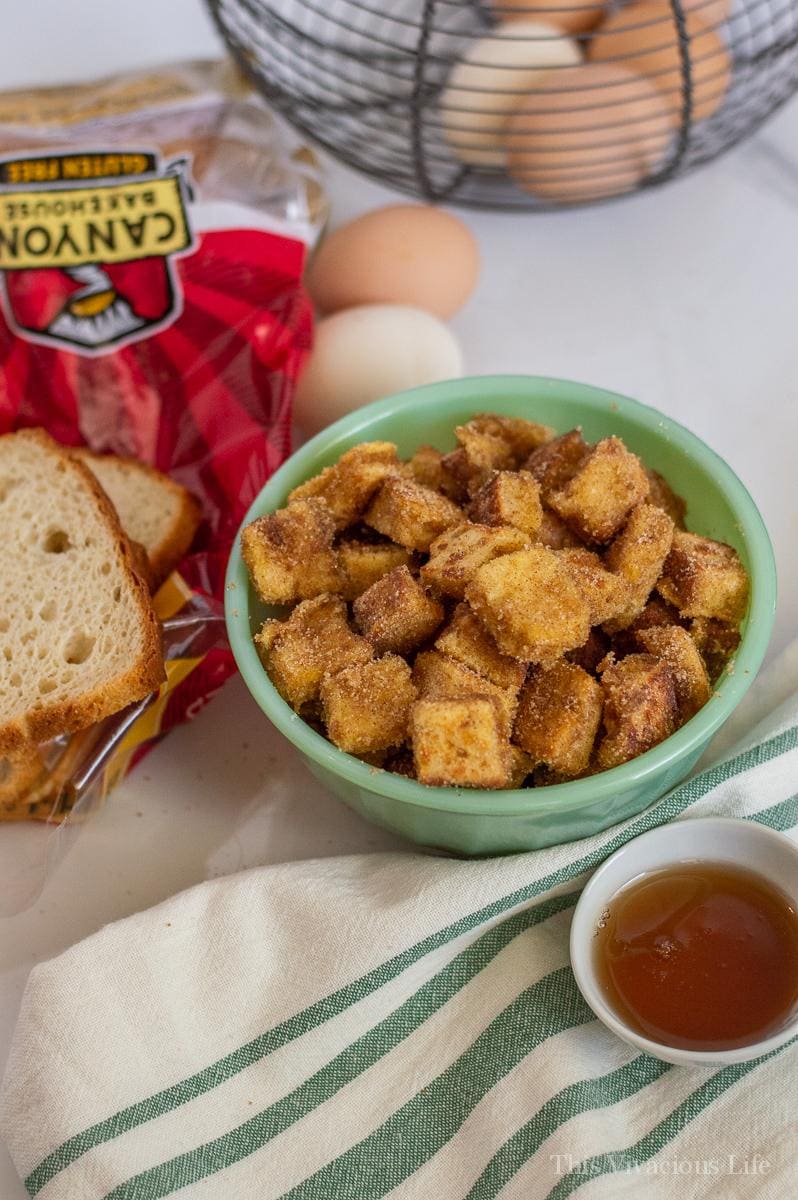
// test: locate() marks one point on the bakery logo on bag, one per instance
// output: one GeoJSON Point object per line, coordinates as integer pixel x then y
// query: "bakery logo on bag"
{"type": "Point", "coordinates": [87, 243]}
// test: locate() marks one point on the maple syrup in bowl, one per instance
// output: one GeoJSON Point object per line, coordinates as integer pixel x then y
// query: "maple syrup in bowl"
{"type": "Point", "coordinates": [685, 941]}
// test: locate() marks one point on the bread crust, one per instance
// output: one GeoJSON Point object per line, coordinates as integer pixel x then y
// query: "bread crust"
{"type": "Point", "coordinates": [146, 674]}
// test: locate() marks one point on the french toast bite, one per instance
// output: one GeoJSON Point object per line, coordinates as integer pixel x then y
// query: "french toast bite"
{"type": "Point", "coordinates": [367, 705]}
{"type": "Point", "coordinates": [554, 533]}
{"type": "Point", "coordinates": [704, 578]}
{"type": "Point", "coordinates": [410, 514]}
{"type": "Point", "coordinates": [559, 712]}
{"type": "Point", "coordinates": [314, 641]}
{"type": "Point", "coordinates": [347, 487]}
{"type": "Point", "coordinates": [437, 676]}
{"type": "Point", "coordinates": [606, 593]}
{"type": "Point", "coordinates": [460, 743]}
{"type": "Point", "coordinates": [596, 501]}
{"type": "Point", "coordinates": [594, 650]}
{"type": "Point", "coordinates": [662, 495]}
{"type": "Point", "coordinates": [640, 708]}
{"type": "Point", "coordinates": [457, 554]}
{"type": "Point", "coordinates": [396, 613]}
{"type": "Point", "coordinates": [363, 563]}
{"type": "Point", "coordinates": [716, 642]}
{"type": "Point", "coordinates": [556, 462]}
{"type": "Point", "coordinates": [674, 646]}
{"type": "Point", "coordinates": [530, 604]}
{"type": "Point", "coordinates": [466, 639]}
{"type": "Point", "coordinates": [289, 554]}
{"type": "Point", "coordinates": [508, 498]}
{"type": "Point", "coordinates": [427, 467]}
{"type": "Point", "coordinates": [637, 556]}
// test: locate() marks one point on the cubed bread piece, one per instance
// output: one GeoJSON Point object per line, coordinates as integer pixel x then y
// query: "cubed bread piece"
{"type": "Point", "coordinates": [606, 593]}
{"type": "Point", "coordinates": [466, 478]}
{"type": "Point", "coordinates": [459, 743]}
{"type": "Point", "coordinates": [427, 467]}
{"type": "Point", "coordinates": [521, 767]}
{"type": "Point", "coordinates": [716, 642]}
{"type": "Point", "coordinates": [554, 533]}
{"type": "Point", "coordinates": [520, 435]}
{"type": "Point", "coordinates": [436, 675]}
{"type": "Point", "coordinates": [458, 553]}
{"type": "Point", "coordinates": [508, 498]}
{"type": "Point", "coordinates": [704, 578]}
{"type": "Point", "coordinates": [530, 604]}
{"type": "Point", "coordinates": [367, 706]}
{"type": "Point", "coordinates": [637, 555]}
{"type": "Point", "coordinates": [639, 708]}
{"type": "Point", "coordinates": [661, 494]}
{"type": "Point", "coordinates": [410, 514]}
{"type": "Point", "coordinates": [602, 493]}
{"type": "Point", "coordinates": [559, 712]}
{"type": "Point", "coordinates": [491, 443]}
{"type": "Point", "coordinates": [594, 650]}
{"type": "Point", "coordinates": [396, 613]}
{"type": "Point", "coordinates": [690, 680]}
{"type": "Point", "coordinates": [466, 639]}
{"type": "Point", "coordinates": [347, 487]}
{"type": "Point", "coordinates": [556, 462]}
{"type": "Point", "coordinates": [656, 612]}
{"type": "Point", "coordinates": [363, 563]}
{"type": "Point", "coordinates": [289, 554]}
{"type": "Point", "coordinates": [314, 641]}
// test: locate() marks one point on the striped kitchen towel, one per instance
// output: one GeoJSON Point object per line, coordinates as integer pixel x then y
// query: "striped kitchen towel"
{"type": "Point", "coordinates": [392, 1025]}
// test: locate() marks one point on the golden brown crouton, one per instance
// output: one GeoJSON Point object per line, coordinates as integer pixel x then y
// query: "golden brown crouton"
{"type": "Point", "coordinates": [637, 556]}
{"type": "Point", "coordinates": [348, 486]}
{"type": "Point", "coordinates": [602, 493]}
{"type": "Point", "coordinates": [289, 554]}
{"type": "Point", "coordinates": [559, 713]}
{"type": "Point", "coordinates": [716, 642]}
{"type": "Point", "coordinates": [314, 641]}
{"type": "Point", "coordinates": [554, 533]}
{"type": "Point", "coordinates": [639, 708]}
{"type": "Point", "coordinates": [704, 578]}
{"type": "Point", "coordinates": [594, 650]}
{"type": "Point", "coordinates": [459, 743]}
{"type": "Point", "coordinates": [529, 603]}
{"type": "Point", "coordinates": [410, 514]}
{"type": "Point", "coordinates": [508, 498]}
{"type": "Point", "coordinates": [491, 443]}
{"type": "Point", "coordinates": [459, 552]}
{"type": "Point", "coordinates": [607, 594]}
{"type": "Point", "coordinates": [428, 468]}
{"type": "Point", "coordinates": [556, 462]}
{"type": "Point", "coordinates": [363, 563]}
{"type": "Point", "coordinates": [656, 612]}
{"type": "Point", "coordinates": [663, 496]}
{"type": "Point", "coordinates": [674, 646]}
{"type": "Point", "coordinates": [466, 639]}
{"type": "Point", "coordinates": [436, 676]}
{"type": "Point", "coordinates": [367, 706]}
{"type": "Point", "coordinates": [520, 435]}
{"type": "Point", "coordinates": [396, 613]}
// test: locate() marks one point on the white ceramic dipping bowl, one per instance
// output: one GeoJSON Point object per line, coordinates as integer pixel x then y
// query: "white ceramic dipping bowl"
{"type": "Point", "coordinates": [747, 844]}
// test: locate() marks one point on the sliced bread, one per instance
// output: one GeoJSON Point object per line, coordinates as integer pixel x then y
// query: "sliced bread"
{"type": "Point", "coordinates": [153, 509]}
{"type": "Point", "coordinates": [78, 635]}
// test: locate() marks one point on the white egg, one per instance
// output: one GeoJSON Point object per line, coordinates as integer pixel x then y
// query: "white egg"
{"type": "Point", "coordinates": [363, 353]}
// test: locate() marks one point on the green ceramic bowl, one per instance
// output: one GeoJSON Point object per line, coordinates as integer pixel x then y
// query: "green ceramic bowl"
{"type": "Point", "coordinates": [483, 822]}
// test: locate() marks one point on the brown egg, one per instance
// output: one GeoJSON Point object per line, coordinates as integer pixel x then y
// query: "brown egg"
{"type": "Point", "coordinates": [644, 36]}
{"type": "Point", "coordinates": [403, 254]}
{"type": "Point", "coordinates": [589, 132]}
{"type": "Point", "coordinates": [571, 16]}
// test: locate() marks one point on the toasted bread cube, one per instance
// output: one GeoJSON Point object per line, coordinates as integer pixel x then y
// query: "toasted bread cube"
{"type": "Point", "coordinates": [436, 676]}
{"type": "Point", "coordinates": [367, 706]}
{"type": "Point", "coordinates": [458, 553]}
{"type": "Point", "coordinates": [521, 436]}
{"type": "Point", "coordinates": [559, 713]}
{"type": "Point", "coordinates": [640, 708]}
{"type": "Point", "coordinates": [508, 498]}
{"type": "Point", "coordinates": [704, 578]}
{"type": "Point", "coordinates": [556, 462]}
{"type": "Point", "coordinates": [428, 468]}
{"type": "Point", "coordinates": [554, 533]}
{"type": "Point", "coordinates": [410, 514]}
{"type": "Point", "coordinates": [637, 555]}
{"type": "Point", "coordinates": [314, 641]}
{"type": "Point", "coordinates": [674, 646]}
{"type": "Point", "coordinates": [594, 650]}
{"type": "Point", "coordinates": [661, 494]}
{"type": "Point", "coordinates": [521, 767]}
{"type": "Point", "coordinates": [491, 443]}
{"type": "Point", "coordinates": [656, 612]}
{"type": "Point", "coordinates": [459, 743]}
{"type": "Point", "coordinates": [716, 642]}
{"type": "Point", "coordinates": [466, 479]}
{"type": "Point", "coordinates": [602, 493]}
{"type": "Point", "coordinates": [363, 563]}
{"type": "Point", "coordinates": [607, 594]}
{"type": "Point", "coordinates": [467, 640]}
{"type": "Point", "coordinates": [529, 603]}
{"type": "Point", "coordinates": [290, 555]}
{"type": "Point", "coordinates": [396, 613]}
{"type": "Point", "coordinates": [347, 487]}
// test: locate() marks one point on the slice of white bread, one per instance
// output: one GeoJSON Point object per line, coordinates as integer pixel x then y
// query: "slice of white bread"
{"type": "Point", "coordinates": [153, 510]}
{"type": "Point", "coordinates": [78, 635]}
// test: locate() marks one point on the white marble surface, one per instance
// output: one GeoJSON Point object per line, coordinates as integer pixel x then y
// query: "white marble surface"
{"type": "Point", "coordinates": [685, 298]}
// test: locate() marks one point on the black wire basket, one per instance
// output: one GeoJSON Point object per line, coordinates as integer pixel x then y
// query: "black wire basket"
{"type": "Point", "coordinates": [513, 104]}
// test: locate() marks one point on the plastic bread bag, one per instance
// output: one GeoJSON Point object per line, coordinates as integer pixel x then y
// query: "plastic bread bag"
{"type": "Point", "coordinates": [153, 231]}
